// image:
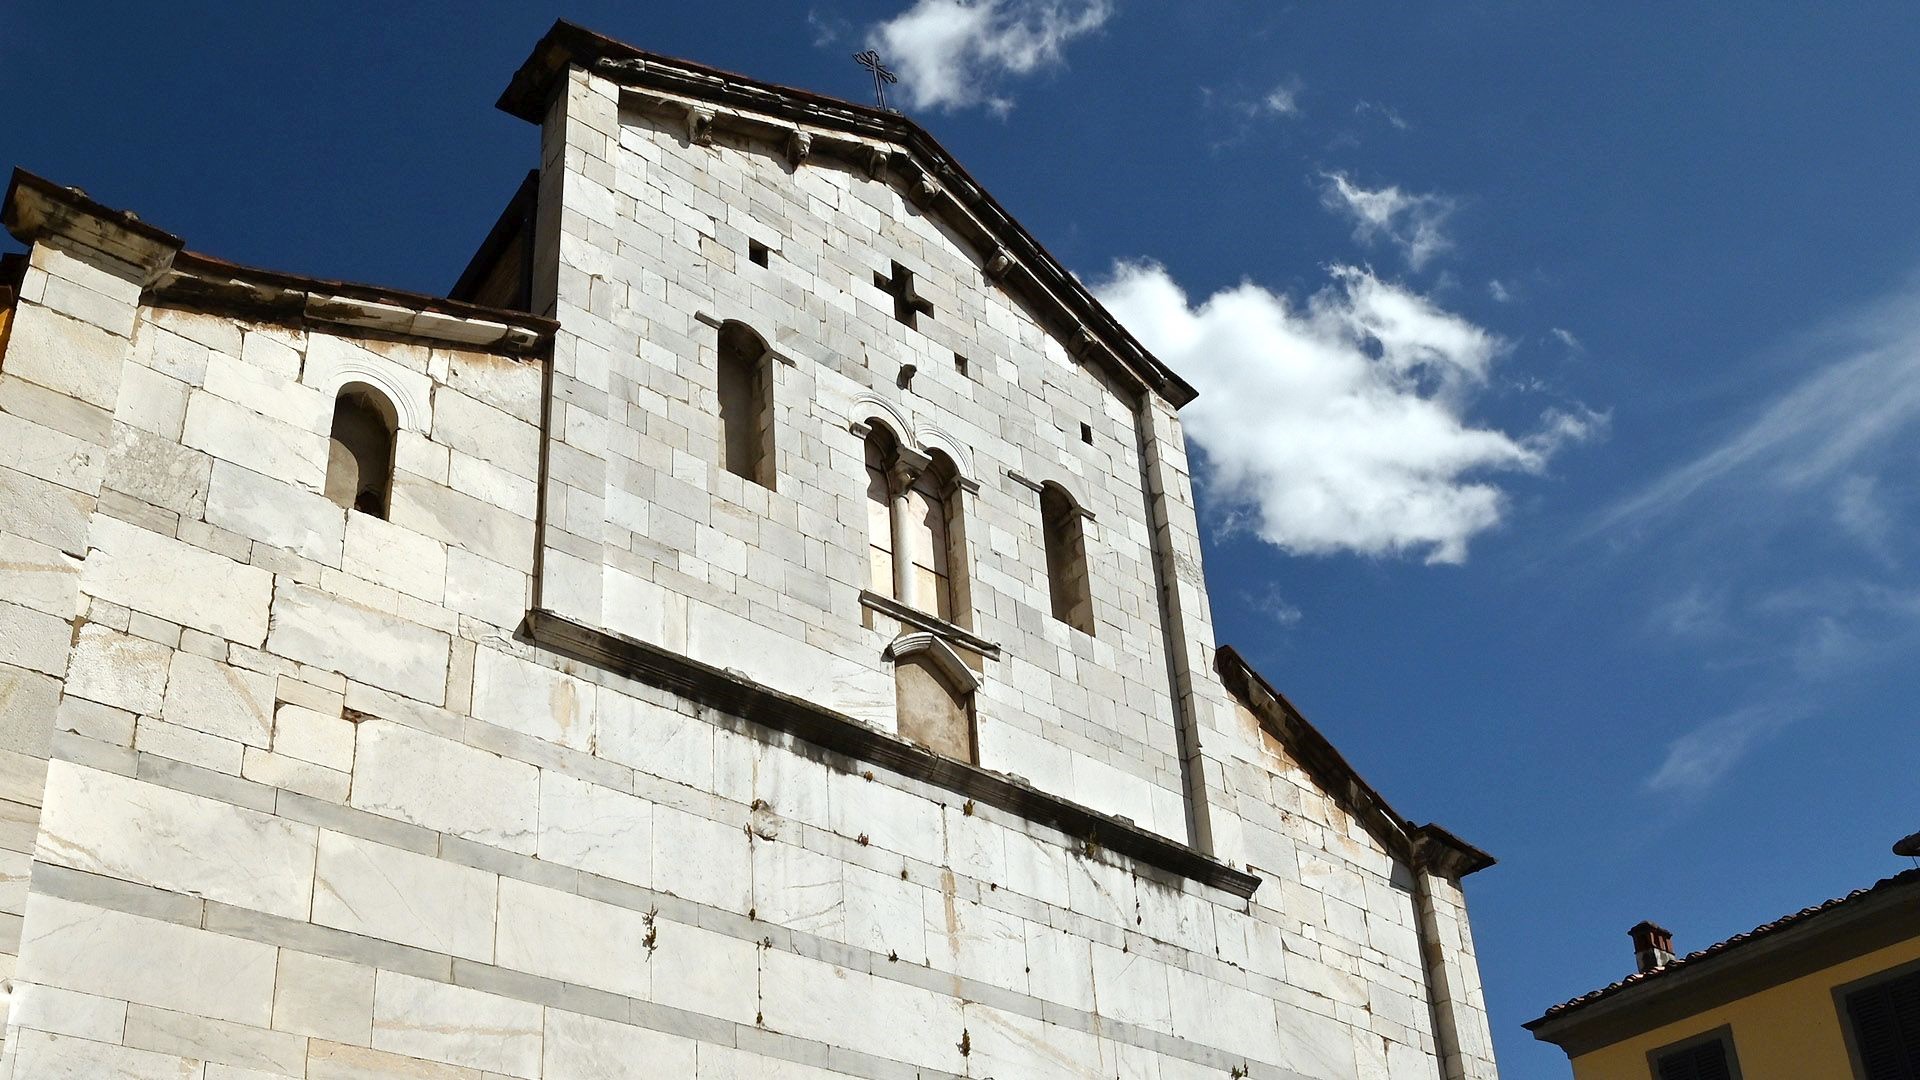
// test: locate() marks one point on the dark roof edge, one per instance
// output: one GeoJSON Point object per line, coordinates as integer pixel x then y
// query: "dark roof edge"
{"type": "Point", "coordinates": [508, 225]}
{"type": "Point", "coordinates": [38, 209]}
{"type": "Point", "coordinates": [1428, 846]}
{"type": "Point", "coordinates": [1649, 991]}
{"type": "Point", "coordinates": [531, 89]}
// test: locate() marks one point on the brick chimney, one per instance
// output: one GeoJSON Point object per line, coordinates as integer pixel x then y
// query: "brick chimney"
{"type": "Point", "coordinates": [1652, 946]}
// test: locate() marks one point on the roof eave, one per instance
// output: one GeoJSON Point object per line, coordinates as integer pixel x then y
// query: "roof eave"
{"type": "Point", "coordinates": [38, 210]}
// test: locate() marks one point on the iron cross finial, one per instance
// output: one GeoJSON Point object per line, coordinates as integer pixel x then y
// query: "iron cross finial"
{"type": "Point", "coordinates": [881, 76]}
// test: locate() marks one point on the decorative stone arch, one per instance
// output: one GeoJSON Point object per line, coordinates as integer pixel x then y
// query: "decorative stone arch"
{"type": "Point", "coordinates": [932, 438]}
{"type": "Point", "coordinates": [869, 407]}
{"type": "Point", "coordinates": [934, 692]}
{"type": "Point", "coordinates": [405, 391]}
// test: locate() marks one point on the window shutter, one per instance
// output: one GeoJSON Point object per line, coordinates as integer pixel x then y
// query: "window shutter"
{"type": "Point", "coordinates": [1703, 1061]}
{"type": "Point", "coordinates": [1886, 1028]}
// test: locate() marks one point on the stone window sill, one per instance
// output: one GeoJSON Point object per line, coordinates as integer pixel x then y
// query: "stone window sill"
{"type": "Point", "coordinates": [952, 633]}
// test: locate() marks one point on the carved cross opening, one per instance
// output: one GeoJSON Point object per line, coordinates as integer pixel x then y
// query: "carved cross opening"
{"type": "Point", "coordinates": [908, 305]}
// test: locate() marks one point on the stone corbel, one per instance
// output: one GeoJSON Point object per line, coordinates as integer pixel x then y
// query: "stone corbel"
{"type": "Point", "coordinates": [699, 126]}
{"type": "Point", "coordinates": [998, 264]}
{"type": "Point", "coordinates": [799, 147]}
{"type": "Point", "coordinates": [1084, 343]}
{"type": "Point", "coordinates": [936, 650]}
{"type": "Point", "coordinates": [616, 68]}
{"type": "Point", "coordinates": [876, 163]}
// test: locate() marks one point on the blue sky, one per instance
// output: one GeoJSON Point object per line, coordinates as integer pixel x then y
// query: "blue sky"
{"type": "Point", "coordinates": [1582, 345]}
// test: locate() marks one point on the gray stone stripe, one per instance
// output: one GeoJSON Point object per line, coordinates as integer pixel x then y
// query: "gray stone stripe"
{"type": "Point", "coordinates": [465, 852]}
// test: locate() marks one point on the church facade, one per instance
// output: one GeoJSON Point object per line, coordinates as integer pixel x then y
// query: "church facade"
{"type": "Point", "coordinates": [753, 628]}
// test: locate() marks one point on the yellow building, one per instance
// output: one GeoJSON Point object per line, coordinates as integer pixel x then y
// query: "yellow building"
{"type": "Point", "coordinates": [1828, 993]}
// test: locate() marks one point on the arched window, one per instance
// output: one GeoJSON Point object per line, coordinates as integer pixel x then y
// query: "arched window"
{"type": "Point", "coordinates": [915, 539]}
{"type": "Point", "coordinates": [745, 385]}
{"type": "Point", "coordinates": [934, 696]}
{"type": "Point", "coordinates": [360, 456]}
{"type": "Point", "coordinates": [1062, 524]}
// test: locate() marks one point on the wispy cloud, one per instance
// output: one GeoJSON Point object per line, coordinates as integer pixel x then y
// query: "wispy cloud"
{"type": "Point", "coordinates": [1860, 402]}
{"type": "Point", "coordinates": [1698, 759]}
{"type": "Point", "coordinates": [1341, 423]}
{"type": "Point", "coordinates": [1565, 337]}
{"type": "Point", "coordinates": [1501, 292]}
{"type": "Point", "coordinates": [951, 54]}
{"type": "Point", "coordinates": [1414, 223]}
{"type": "Point", "coordinates": [1384, 112]}
{"type": "Point", "coordinates": [1282, 100]}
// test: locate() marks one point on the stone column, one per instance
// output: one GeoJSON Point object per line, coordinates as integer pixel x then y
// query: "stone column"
{"type": "Point", "coordinates": [906, 468]}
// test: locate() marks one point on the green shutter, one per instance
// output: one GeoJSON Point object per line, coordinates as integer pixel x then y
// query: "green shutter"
{"type": "Point", "coordinates": [1886, 1028]}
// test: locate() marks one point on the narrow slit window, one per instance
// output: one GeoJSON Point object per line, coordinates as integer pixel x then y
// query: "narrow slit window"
{"type": "Point", "coordinates": [360, 453]}
{"type": "Point", "coordinates": [1063, 525]}
{"type": "Point", "coordinates": [960, 365]}
{"type": "Point", "coordinates": [758, 253]}
{"type": "Point", "coordinates": [745, 385]}
{"type": "Point", "coordinates": [1086, 434]}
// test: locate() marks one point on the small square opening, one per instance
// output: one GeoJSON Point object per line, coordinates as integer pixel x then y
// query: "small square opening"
{"type": "Point", "coordinates": [960, 363]}
{"type": "Point", "coordinates": [1086, 434]}
{"type": "Point", "coordinates": [758, 253]}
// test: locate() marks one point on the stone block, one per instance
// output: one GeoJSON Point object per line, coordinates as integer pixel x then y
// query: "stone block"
{"type": "Point", "coordinates": [317, 737]}
{"type": "Point", "coordinates": [570, 938]}
{"type": "Point", "coordinates": [396, 557]}
{"type": "Point", "coordinates": [177, 582]}
{"type": "Point", "coordinates": [704, 972]}
{"type": "Point", "coordinates": [119, 670]}
{"type": "Point", "coordinates": [473, 427]}
{"type": "Point", "coordinates": [596, 829]}
{"type": "Point", "coordinates": [52, 455]}
{"type": "Point", "coordinates": [361, 643]}
{"type": "Point", "coordinates": [461, 520]}
{"type": "Point", "coordinates": [219, 699]}
{"type": "Point", "coordinates": [701, 860]}
{"type": "Point", "coordinates": [267, 446]}
{"type": "Point", "coordinates": [58, 1057]}
{"type": "Point", "coordinates": [51, 514]}
{"type": "Point", "coordinates": [293, 774]}
{"type": "Point", "coordinates": [39, 577]}
{"type": "Point", "coordinates": [456, 1025]}
{"type": "Point", "coordinates": [28, 701]}
{"type": "Point", "coordinates": [324, 998]}
{"type": "Point", "coordinates": [33, 640]}
{"type": "Point", "coordinates": [73, 357]}
{"type": "Point", "coordinates": [157, 738]}
{"type": "Point", "coordinates": [485, 589]}
{"type": "Point", "coordinates": [104, 823]}
{"type": "Point", "coordinates": [272, 512]}
{"type": "Point", "coordinates": [533, 699]}
{"type": "Point", "coordinates": [275, 1053]}
{"type": "Point", "coordinates": [333, 1061]}
{"type": "Point", "coordinates": [445, 785]}
{"type": "Point", "coordinates": [135, 959]}
{"type": "Point", "coordinates": [269, 393]}
{"type": "Point", "coordinates": [152, 401]}
{"type": "Point", "coordinates": [589, 1048]}
{"type": "Point", "coordinates": [67, 1012]}
{"type": "Point", "coordinates": [397, 895]}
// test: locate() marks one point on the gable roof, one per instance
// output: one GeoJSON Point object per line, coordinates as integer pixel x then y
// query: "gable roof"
{"type": "Point", "coordinates": [1899, 894]}
{"type": "Point", "coordinates": [1428, 846]}
{"type": "Point", "coordinates": [817, 125]}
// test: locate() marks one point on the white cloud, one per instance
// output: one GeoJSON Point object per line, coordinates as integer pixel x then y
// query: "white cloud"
{"type": "Point", "coordinates": [1339, 424]}
{"type": "Point", "coordinates": [1501, 292]}
{"type": "Point", "coordinates": [1861, 512]}
{"type": "Point", "coordinates": [1414, 223]}
{"type": "Point", "coordinates": [1565, 337]}
{"type": "Point", "coordinates": [1285, 613]}
{"type": "Point", "coordinates": [1283, 100]}
{"type": "Point", "coordinates": [1702, 756]}
{"type": "Point", "coordinates": [949, 53]}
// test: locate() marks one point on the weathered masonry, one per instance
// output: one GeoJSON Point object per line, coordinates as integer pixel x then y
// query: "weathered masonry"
{"type": "Point", "coordinates": [753, 629]}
